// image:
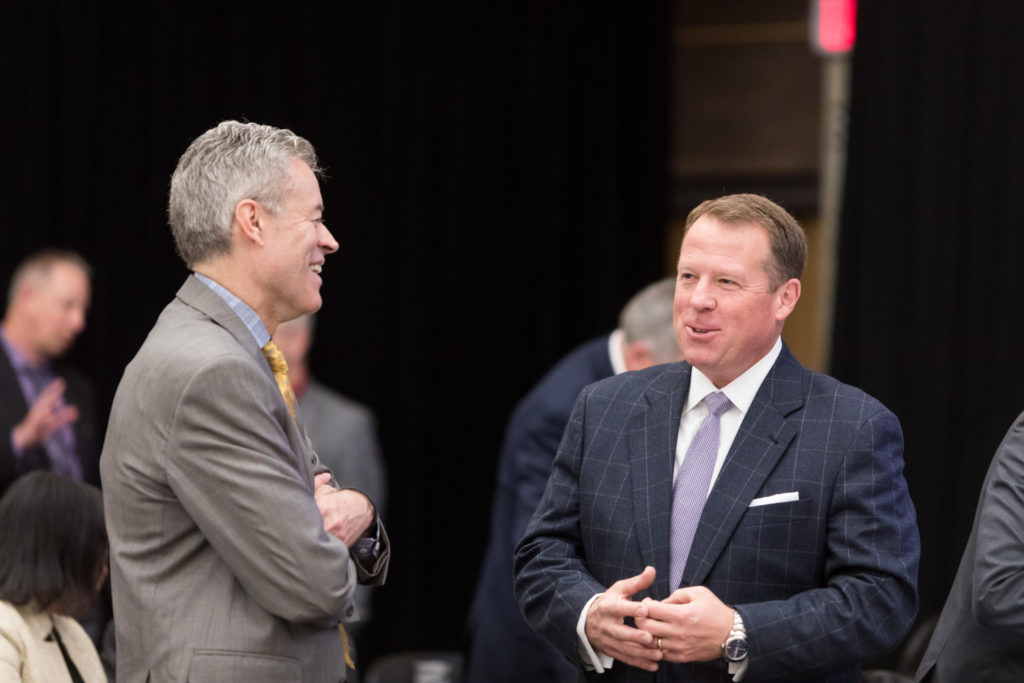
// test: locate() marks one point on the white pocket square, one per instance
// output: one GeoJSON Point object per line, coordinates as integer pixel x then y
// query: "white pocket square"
{"type": "Point", "coordinates": [775, 499]}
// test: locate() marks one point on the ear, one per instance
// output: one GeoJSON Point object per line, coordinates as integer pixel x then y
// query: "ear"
{"type": "Point", "coordinates": [249, 216]}
{"type": "Point", "coordinates": [636, 356]}
{"type": "Point", "coordinates": [786, 297]}
{"type": "Point", "coordinates": [29, 288]}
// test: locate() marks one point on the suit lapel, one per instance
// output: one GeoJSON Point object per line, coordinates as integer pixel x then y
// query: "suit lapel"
{"type": "Point", "coordinates": [763, 437]}
{"type": "Point", "coordinates": [197, 295]}
{"type": "Point", "coordinates": [652, 445]}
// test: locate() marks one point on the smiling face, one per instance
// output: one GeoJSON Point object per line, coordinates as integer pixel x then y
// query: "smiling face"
{"type": "Point", "coordinates": [726, 314]}
{"type": "Point", "coordinates": [296, 242]}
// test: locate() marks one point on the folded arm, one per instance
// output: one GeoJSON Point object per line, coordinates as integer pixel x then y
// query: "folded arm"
{"type": "Point", "coordinates": [230, 464]}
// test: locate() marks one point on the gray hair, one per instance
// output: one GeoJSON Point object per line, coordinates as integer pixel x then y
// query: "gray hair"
{"type": "Point", "coordinates": [223, 166]}
{"type": "Point", "coordinates": [647, 317]}
{"type": "Point", "coordinates": [36, 268]}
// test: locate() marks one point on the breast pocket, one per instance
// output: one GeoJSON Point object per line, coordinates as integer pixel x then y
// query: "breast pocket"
{"type": "Point", "coordinates": [220, 666]}
{"type": "Point", "coordinates": [783, 540]}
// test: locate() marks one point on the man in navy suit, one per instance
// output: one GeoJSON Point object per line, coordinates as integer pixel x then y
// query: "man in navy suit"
{"type": "Point", "coordinates": [503, 648]}
{"type": "Point", "coordinates": [803, 552]}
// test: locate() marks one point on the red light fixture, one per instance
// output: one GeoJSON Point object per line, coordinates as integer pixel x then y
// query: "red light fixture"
{"type": "Point", "coordinates": [833, 26]}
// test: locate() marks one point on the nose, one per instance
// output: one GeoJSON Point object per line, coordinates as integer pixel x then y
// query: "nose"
{"type": "Point", "coordinates": [77, 319]}
{"type": "Point", "coordinates": [327, 241]}
{"type": "Point", "coordinates": [702, 295]}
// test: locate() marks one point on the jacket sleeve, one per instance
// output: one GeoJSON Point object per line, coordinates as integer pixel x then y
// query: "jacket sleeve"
{"type": "Point", "coordinates": [552, 582]}
{"type": "Point", "coordinates": [232, 467]}
{"type": "Point", "coordinates": [998, 590]}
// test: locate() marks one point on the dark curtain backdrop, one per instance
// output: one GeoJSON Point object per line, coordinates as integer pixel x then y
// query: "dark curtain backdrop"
{"type": "Point", "coordinates": [497, 184]}
{"type": "Point", "coordinates": [929, 313]}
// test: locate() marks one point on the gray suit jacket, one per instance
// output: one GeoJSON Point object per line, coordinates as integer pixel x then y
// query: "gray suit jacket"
{"type": "Point", "coordinates": [221, 569]}
{"type": "Point", "coordinates": [821, 583]}
{"type": "Point", "coordinates": [980, 634]}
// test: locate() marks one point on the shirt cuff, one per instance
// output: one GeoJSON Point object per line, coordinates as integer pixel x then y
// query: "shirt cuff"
{"type": "Point", "coordinates": [739, 669]}
{"type": "Point", "coordinates": [367, 548]}
{"type": "Point", "coordinates": [591, 659]}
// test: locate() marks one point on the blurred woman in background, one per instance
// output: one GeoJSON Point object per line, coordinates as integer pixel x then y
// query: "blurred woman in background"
{"type": "Point", "coordinates": [53, 561]}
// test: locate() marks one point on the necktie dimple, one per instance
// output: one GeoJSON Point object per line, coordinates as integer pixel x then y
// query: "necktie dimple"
{"type": "Point", "coordinates": [692, 483]}
{"type": "Point", "coordinates": [280, 367]}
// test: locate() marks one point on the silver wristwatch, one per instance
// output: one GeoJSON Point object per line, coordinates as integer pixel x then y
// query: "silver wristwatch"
{"type": "Point", "coordinates": [734, 649]}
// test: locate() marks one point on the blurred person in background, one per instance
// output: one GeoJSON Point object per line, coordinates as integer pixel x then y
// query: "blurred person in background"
{"type": "Point", "coordinates": [502, 645]}
{"type": "Point", "coordinates": [47, 417]}
{"type": "Point", "coordinates": [53, 561]}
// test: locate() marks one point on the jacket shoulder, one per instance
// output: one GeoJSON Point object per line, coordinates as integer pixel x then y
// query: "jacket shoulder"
{"type": "Point", "coordinates": [651, 382]}
{"type": "Point", "coordinates": [824, 393]}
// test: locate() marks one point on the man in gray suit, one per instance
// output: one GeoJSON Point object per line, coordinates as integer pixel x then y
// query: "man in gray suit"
{"type": "Point", "coordinates": [786, 547]}
{"type": "Point", "coordinates": [233, 553]}
{"type": "Point", "coordinates": [980, 635]}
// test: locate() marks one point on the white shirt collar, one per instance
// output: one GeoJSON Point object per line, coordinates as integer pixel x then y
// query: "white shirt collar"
{"type": "Point", "coordinates": [615, 342]}
{"type": "Point", "coordinates": [740, 391]}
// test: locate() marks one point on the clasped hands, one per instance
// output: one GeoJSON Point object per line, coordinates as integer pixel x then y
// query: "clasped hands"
{"type": "Point", "coordinates": [347, 513]}
{"type": "Point", "coordinates": [688, 626]}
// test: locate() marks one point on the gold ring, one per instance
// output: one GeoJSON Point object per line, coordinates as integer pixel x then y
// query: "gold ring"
{"type": "Point", "coordinates": [659, 643]}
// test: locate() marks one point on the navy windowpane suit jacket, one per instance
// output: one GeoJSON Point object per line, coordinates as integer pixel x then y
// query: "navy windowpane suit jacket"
{"type": "Point", "coordinates": [822, 583]}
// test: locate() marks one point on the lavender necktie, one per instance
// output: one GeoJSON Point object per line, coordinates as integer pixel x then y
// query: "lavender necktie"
{"type": "Point", "coordinates": [692, 483]}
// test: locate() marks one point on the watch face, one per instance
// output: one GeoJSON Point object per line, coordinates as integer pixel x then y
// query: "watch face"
{"type": "Point", "coordinates": [735, 649]}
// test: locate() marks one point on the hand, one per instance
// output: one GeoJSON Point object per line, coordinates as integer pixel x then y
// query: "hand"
{"type": "Point", "coordinates": [692, 624]}
{"type": "Point", "coordinates": [45, 417]}
{"type": "Point", "coordinates": [347, 513]}
{"type": "Point", "coordinates": [607, 632]}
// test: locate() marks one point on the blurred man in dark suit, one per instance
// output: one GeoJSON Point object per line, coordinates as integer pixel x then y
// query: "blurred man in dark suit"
{"type": "Point", "coordinates": [502, 646]}
{"type": "Point", "coordinates": [47, 419]}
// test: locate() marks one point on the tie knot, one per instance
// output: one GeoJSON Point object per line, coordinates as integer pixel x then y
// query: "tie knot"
{"type": "Point", "coordinates": [276, 359]}
{"type": "Point", "coordinates": [717, 403]}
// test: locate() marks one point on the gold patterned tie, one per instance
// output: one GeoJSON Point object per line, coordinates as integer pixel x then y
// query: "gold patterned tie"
{"type": "Point", "coordinates": [280, 367]}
